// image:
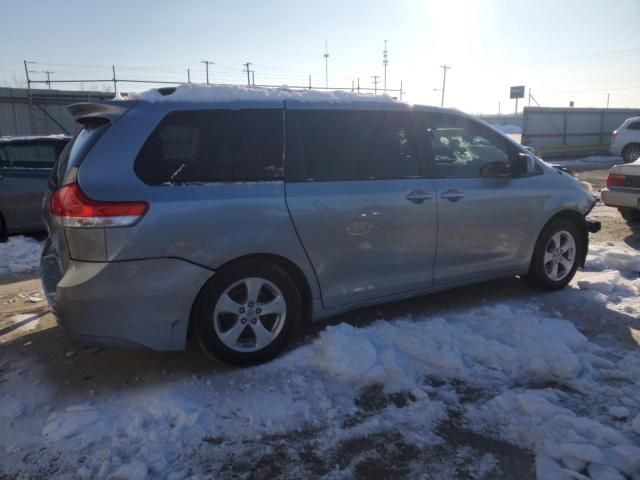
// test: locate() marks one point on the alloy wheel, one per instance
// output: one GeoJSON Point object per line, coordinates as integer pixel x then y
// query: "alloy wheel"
{"type": "Point", "coordinates": [250, 314]}
{"type": "Point", "coordinates": [559, 255]}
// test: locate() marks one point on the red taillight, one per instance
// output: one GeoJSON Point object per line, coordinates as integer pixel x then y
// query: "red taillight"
{"type": "Point", "coordinates": [614, 134]}
{"type": "Point", "coordinates": [78, 210]}
{"type": "Point", "coordinates": [614, 180]}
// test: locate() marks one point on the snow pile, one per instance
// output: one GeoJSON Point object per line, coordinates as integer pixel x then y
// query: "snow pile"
{"type": "Point", "coordinates": [20, 254]}
{"type": "Point", "coordinates": [497, 345]}
{"type": "Point", "coordinates": [542, 378]}
{"type": "Point", "coordinates": [612, 278]}
{"type": "Point", "coordinates": [195, 93]}
{"type": "Point", "coordinates": [508, 129]}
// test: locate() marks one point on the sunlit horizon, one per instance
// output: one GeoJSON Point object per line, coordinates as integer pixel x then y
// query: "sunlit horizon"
{"type": "Point", "coordinates": [585, 52]}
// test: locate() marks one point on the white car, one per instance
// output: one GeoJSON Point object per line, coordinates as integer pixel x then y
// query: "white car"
{"type": "Point", "coordinates": [625, 141]}
{"type": "Point", "coordinates": [623, 190]}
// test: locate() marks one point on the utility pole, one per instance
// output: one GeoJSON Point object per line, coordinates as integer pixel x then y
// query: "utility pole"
{"type": "Point", "coordinates": [248, 70]}
{"type": "Point", "coordinates": [26, 71]}
{"type": "Point", "coordinates": [499, 108]}
{"type": "Point", "coordinates": [48, 73]}
{"type": "Point", "coordinates": [206, 64]}
{"type": "Point", "coordinates": [358, 84]}
{"type": "Point", "coordinates": [375, 80]}
{"type": "Point", "coordinates": [309, 82]}
{"type": "Point", "coordinates": [115, 82]}
{"type": "Point", "coordinates": [529, 102]}
{"type": "Point", "coordinates": [444, 81]}
{"type": "Point", "coordinates": [401, 90]}
{"type": "Point", "coordinates": [253, 77]}
{"type": "Point", "coordinates": [188, 76]}
{"type": "Point", "coordinates": [385, 62]}
{"type": "Point", "coordinates": [326, 65]}
{"type": "Point", "coordinates": [608, 95]}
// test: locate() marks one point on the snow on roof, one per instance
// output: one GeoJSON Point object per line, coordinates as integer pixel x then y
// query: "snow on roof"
{"type": "Point", "coordinates": [22, 138]}
{"type": "Point", "coordinates": [197, 93]}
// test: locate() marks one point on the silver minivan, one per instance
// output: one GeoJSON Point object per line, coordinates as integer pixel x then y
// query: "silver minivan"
{"type": "Point", "coordinates": [238, 217]}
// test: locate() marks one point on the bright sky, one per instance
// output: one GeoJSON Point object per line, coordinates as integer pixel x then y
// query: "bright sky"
{"type": "Point", "coordinates": [565, 50]}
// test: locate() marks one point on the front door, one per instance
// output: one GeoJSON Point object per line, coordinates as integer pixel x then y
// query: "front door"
{"type": "Point", "coordinates": [484, 214]}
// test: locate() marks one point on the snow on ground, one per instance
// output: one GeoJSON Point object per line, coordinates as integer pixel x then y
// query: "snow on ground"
{"type": "Point", "coordinates": [20, 254]}
{"type": "Point", "coordinates": [509, 370]}
{"type": "Point", "coordinates": [506, 129]}
{"type": "Point", "coordinates": [612, 277]}
{"type": "Point", "coordinates": [234, 93]}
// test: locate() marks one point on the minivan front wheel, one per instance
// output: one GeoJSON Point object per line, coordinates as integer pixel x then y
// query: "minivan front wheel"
{"type": "Point", "coordinates": [247, 313]}
{"type": "Point", "coordinates": [556, 256]}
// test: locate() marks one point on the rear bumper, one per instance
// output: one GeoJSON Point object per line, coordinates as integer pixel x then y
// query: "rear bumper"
{"type": "Point", "coordinates": [621, 198]}
{"type": "Point", "coordinates": [141, 303]}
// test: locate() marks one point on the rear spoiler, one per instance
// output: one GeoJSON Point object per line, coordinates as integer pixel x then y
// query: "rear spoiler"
{"type": "Point", "coordinates": [107, 111]}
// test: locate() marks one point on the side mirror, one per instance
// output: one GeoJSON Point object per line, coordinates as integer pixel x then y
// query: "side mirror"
{"type": "Point", "coordinates": [525, 165]}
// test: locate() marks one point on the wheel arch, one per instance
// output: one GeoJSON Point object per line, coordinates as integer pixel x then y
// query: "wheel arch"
{"type": "Point", "coordinates": [286, 264]}
{"type": "Point", "coordinates": [578, 219]}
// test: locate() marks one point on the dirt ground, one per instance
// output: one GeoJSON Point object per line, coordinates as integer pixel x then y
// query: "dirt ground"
{"type": "Point", "coordinates": [74, 368]}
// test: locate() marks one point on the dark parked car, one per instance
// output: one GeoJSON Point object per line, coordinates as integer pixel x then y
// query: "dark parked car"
{"type": "Point", "coordinates": [25, 166]}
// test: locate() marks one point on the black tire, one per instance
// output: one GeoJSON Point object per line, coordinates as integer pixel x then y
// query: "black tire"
{"type": "Point", "coordinates": [631, 215]}
{"type": "Point", "coordinates": [204, 308]}
{"type": "Point", "coordinates": [538, 277]}
{"type": "Point", "coordinates": [4, 233]}
{"type": "Point", "coordinates": [631, 152]}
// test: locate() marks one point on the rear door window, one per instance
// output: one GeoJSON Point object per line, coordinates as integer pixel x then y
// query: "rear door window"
{"type": "Point", "coordinates": [31, 155]}
{"type": "Point", "coordinates": [339, 145]}
{"type": "Point", "coordinates": [205, 146]}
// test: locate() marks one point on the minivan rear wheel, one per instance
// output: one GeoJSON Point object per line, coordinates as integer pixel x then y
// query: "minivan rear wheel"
{"type": "Point", "coordinates": [247, 313]}
{"type": "Point", "coordinates": [556, 256]}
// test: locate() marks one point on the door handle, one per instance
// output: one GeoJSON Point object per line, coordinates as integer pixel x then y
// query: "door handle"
{"type": "Point", "coordinates": [452, 195]}
{"type": "Point", "coordinates": [418, 196]}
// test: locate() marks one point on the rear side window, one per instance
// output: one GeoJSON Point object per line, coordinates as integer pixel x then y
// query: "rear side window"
{"type": "Point", "coordinates": [634, 125]}
{"type": "Point", "coordinates": [76, 150]}
{"type": "Point", "coordinates": [336, 145]}
{"type": "Point", "coordinates": [32, 155]}
{"type": "Point", "coordinates": [214, 146]}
